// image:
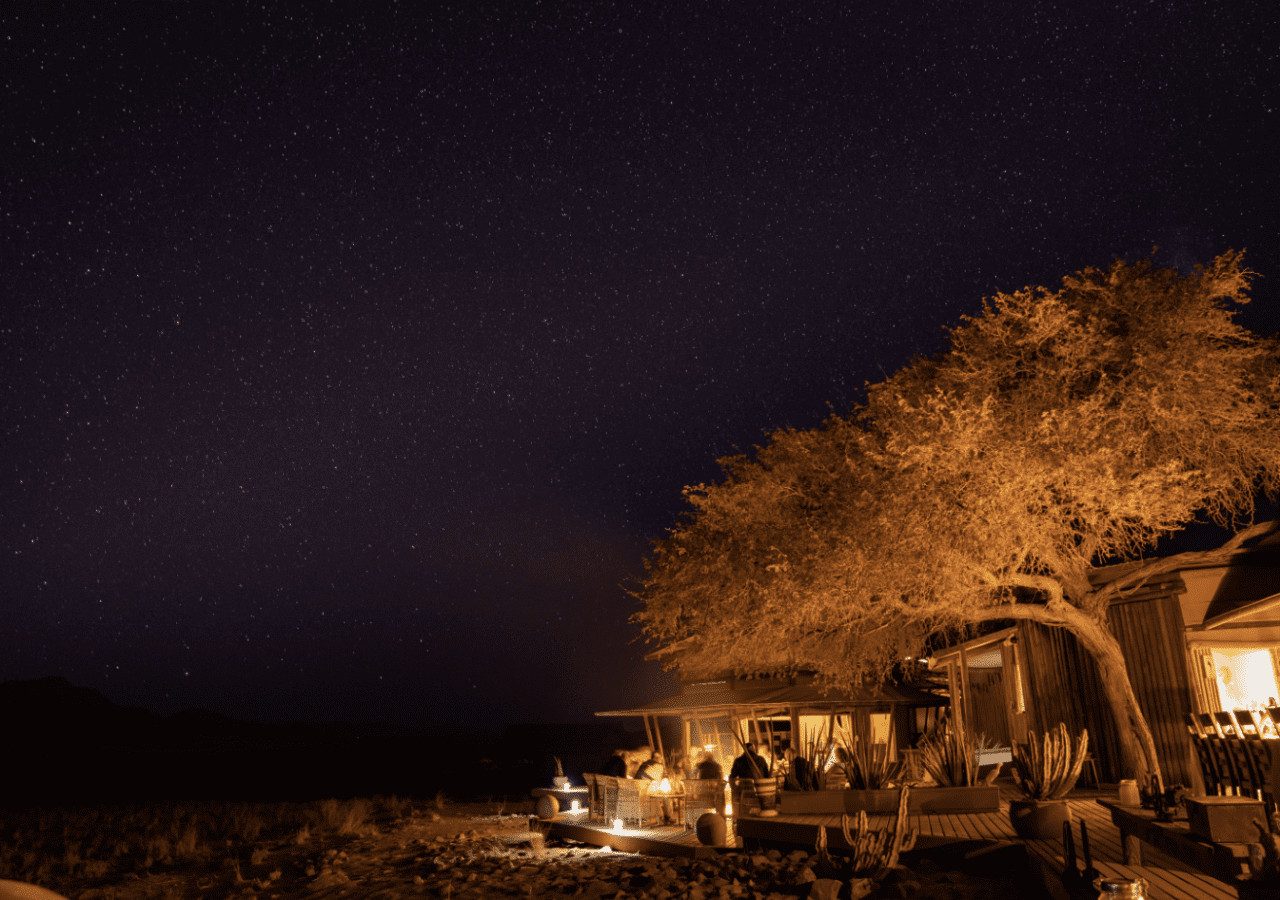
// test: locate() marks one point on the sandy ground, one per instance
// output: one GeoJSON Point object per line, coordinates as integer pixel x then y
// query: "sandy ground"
{"type": "Point", "coordinates": [479, 851]}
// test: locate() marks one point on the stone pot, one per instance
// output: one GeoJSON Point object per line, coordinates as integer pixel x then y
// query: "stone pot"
{"type": "Point", "coordinates": [546, 807]}
{"type": "Point", "coordinates": [766, 791]}
{"type": "Point", "coordinates": [1039, 820]}
{"type": "Point", "coordinates": [712, 830]}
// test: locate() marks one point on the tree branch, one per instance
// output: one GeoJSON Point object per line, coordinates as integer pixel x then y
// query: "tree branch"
{"type": "Point", "coordinates": [1136, 578]}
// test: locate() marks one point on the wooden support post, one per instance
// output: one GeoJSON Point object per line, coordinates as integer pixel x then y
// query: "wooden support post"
{"type": "Point", "coordinates": [688, 742]}
{"type": "Point", "coordinates": [648, 732]}
{"type": "Point", "coordinates": [957, 702]}
{"type": "Point", "coordinates": [657, 731]}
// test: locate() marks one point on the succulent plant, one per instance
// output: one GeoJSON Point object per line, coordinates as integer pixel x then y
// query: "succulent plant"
{"type": "Point", "coordinates": [950, 757]}
{"type": "Point", "coordinates": [872, 851]}
{"type": "Point", "coordinates": [1047, 769]}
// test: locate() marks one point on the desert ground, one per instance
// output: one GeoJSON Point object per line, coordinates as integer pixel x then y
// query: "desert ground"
{"type": "Point", "coordinates": [387, 847]}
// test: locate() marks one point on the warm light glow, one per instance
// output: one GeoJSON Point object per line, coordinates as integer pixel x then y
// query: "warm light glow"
{"type": "Point", "coordinates": [664, 786]}
{"type": "Point", "coordinates": [617, 826]}
{"type": "Point", "coordinates": [728, 808]}
{"type": "Point", "coordinates": [708, 747]}
{"type": "Point", "coordinates": [1246, 678]}
{"type": "Point", "coordinates": [575, 806]}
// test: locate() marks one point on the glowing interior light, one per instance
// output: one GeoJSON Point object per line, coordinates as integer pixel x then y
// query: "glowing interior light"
{"type": "Point", "coordinates": [617, 826]}
{"type": "Point", "coordinates": [664, 786]}
{"type": "Point", "coordinates": [708, 747]}
{"type": "Point", "coordinates": [728, 808]}
{"type": "Point", "coordinates": [575, 806]}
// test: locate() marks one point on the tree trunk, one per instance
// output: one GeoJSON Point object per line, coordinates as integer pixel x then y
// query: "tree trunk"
{"type": "Point", "coordinates": [1137, 743]}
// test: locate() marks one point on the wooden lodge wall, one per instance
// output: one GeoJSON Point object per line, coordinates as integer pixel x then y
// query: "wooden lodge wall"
{"type": "Point", "coordinates": [1155, 648]}
{"type": "Point", "coordinates": [1062, 683]}
{"type": "Point", "coordinates": [1062, 686]}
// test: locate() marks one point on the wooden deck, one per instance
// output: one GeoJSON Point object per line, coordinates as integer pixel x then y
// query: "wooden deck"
{"type": "Point", "coordinates": [1166, 877]}
{"type": "Point", "coordinates": [665, 840]}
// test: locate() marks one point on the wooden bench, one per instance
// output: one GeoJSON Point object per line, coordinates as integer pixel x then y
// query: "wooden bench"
{"type": "Point", "coordinates": [1224, 862]}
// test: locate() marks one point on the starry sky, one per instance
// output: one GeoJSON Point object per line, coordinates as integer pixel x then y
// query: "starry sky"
{"type": "Point", "coordinates": [353, 354]}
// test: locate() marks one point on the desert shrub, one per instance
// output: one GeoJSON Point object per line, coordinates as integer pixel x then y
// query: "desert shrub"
{"type": "Point", "coordinates": [392, 808]}
{"type": "Point", "coordinates": [344, 817]}
{"type": "Point", "coordinates": [246, 823]}
{"type": "Point", "coordinates": [187, 844]}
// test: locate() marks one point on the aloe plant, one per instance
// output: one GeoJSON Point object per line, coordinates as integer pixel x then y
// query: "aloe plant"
{"type": "Point", "coordinates": [872, 766]}
{"type": "Point", "coordinates": [950, 757]}
{"type": "Point", "coordinates": [1047, 769]}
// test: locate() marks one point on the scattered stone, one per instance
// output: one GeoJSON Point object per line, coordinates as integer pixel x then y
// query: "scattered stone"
{"type": "Point", "coordinates": [825, 889]}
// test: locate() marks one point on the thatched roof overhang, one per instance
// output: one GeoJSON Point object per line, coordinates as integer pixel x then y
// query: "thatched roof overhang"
{"type": "Point", "coordinates": [709, 698]}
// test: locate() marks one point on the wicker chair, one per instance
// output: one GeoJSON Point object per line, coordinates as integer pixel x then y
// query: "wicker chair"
{"type": "Point", "coordinates": [607, 787]}
{"type": "Point", "coordinates": [1249, 782]}
{"type": "Point", "coordinates": [1213, 778]}
{"type": "Point", "coordinates": [701, 795]}
{"type": "Point", "coordinates": [595, 797]}
{"type": "Point", "coordinates": [1232, 779]}
{"type": "Point", "coordinates": [1255, 750]}
{"type": "Point", "coordinates": [635, 805]}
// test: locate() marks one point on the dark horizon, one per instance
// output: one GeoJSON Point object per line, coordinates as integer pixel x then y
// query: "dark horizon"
{"type": "Point", "coordinates": [353, 359]}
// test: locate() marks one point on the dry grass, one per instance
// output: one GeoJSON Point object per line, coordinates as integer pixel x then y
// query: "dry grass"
{"type": "Point", "coordinates": [73, 849]}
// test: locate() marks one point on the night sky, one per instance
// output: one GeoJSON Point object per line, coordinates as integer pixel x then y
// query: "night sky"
{"type": "Point", "coordinates": [353, 358]}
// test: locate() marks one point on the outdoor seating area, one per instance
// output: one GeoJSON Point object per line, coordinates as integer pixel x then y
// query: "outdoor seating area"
{"type": "Point", "coordinates": [1167, 876]}
{"type": "Point", "coordinates": [1237, 751]}
{"type": "Point", "coordinates": [637, 802]}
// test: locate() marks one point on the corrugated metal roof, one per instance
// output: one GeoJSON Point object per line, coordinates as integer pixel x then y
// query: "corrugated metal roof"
{"type": "Point", "coordinates": [707, 696]}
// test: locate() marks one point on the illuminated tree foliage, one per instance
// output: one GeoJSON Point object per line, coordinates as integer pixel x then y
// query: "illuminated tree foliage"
{"type": "Point", "coordinates": [1062, 430]}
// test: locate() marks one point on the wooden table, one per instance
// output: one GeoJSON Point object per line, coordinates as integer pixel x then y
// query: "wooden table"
{"type": "Point", "coordinates": [675, 798]}
{"type": "Point", "coordinates": [572, 792]}
{"type": "Point", "coordinates": [1137, 825]}
{"type": "Point", "coordinates": [564, 796]}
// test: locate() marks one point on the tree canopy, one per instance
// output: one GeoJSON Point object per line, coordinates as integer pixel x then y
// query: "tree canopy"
{"type": "Point", "coordinates": [1060, 430]}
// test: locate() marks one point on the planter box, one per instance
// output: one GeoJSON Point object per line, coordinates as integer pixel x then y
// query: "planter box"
{"type": "Point", "coordinates": [1224, 820]}
{"type": "Point", "coordinates": [928, 800]}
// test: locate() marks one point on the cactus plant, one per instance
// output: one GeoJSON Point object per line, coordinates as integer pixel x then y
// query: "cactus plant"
{"type": "Point", "coordinates": [872, 852]}
{"type": "Point", "coordinates": [1048, 769]}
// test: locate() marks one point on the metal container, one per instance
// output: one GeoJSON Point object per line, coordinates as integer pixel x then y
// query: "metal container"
{"type": "Point", "coordinates": [1129, 793]}
{"type": "Point", "coordinates": [1127, 888]}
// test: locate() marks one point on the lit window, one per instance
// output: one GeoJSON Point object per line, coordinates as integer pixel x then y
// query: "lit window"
{"type": "Point", "coordinates": [1246, 677]}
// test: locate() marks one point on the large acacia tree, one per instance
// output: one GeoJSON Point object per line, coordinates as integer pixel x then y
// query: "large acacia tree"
{"type": "Point", "coordinates": [1061, 430]}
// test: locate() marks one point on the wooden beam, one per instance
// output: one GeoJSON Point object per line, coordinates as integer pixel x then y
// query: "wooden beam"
{"type": "Point", "coordinates": [1266, 604]}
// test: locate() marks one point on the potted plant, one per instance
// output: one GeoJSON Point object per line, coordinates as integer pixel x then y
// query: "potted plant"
{"type": "Point", "coordinates": [1264, 861]}
{"type": "Point", "coordinates": [1046, 771]}
{"type": "Point", "coordinates": [763, 786]}
{"type": "Point", "coordinates": [559, 779]}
